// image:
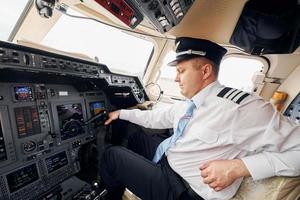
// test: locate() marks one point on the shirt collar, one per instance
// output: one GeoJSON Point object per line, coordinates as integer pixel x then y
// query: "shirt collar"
{"type": "Point", "coordinates": [200, 97]}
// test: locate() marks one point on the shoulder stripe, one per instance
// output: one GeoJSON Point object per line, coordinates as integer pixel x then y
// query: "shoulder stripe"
{"type": "Point", "coordinates": [239, 92]}
{"type": "Point", "coordinates": [230, 93]}
{"type": "Point", "coordinates": [224, 92]}
{"type": "Point", "coordinates": [234, 95]}
{"type": "Point", "coordinates": [238, 96]}
{"type": "Point", "coordinates": [242, 98]}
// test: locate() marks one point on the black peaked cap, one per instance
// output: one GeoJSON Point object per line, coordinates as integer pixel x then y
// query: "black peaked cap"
{"type": "Point", "coordinates": [188, 48]}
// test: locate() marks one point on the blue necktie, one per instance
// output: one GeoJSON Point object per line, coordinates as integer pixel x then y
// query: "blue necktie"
{"type": "Point", "coordinates": [170, 141]}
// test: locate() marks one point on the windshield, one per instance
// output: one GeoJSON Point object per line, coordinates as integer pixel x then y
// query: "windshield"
{"type": "Point", "coordinates": [121, 52]}
{"type": "Point", "coordinates": [10, 12]}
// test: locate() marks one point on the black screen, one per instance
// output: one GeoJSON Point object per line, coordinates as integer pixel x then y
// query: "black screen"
{"type": "Point", "coordinates": [70, 118]}
{"type": "Point", "coordinates": [56, 162]}
{"type": "Point", "coordinates": [22, 177]}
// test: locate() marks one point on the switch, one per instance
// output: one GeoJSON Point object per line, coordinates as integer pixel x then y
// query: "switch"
{"type": "Point", "coordinates": [179, 15]}
{"type": "Point", "coordinates": [175, 6]}
{"type": "Point", "coordinates": [173, 2]}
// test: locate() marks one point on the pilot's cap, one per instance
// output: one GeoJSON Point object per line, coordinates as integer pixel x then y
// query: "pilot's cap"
{"type": "Point", "coordinates": [188, 48]}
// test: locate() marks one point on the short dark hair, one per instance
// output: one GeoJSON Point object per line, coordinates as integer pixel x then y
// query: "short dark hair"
{"type": "Point", "coordinates": [215, 67]}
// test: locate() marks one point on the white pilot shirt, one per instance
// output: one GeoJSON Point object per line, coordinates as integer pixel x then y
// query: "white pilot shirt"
{"type": "Point", "coordinates": [267, 142]}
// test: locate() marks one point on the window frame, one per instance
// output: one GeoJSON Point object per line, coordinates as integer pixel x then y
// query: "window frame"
{"type": "Point", "coordinates": [259, 80]}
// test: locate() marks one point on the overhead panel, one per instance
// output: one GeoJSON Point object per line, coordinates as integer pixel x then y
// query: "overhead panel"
{"type": "Point", "coordinates": [123, 10]}
{"type": "Point", "coordinates": [164, 14]}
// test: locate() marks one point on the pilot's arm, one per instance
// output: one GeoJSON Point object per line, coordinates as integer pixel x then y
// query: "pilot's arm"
{"type": "Point", "coordinates": [219, 174]}
{"type": "Point", "coordinates": [271, 140]}
{"type": "Point", "coordinates": [160, 118]}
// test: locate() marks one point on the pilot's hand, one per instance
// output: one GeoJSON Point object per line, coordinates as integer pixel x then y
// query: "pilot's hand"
{"type": "Point", "coordinates": [219, 174]}
{"type": "Point", "coordinates": [112, 116]}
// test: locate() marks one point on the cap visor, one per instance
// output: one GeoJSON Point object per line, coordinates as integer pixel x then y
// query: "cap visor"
{"type": "Point", "coordinates": [173, 63]}
{"type": "Point", "coordinates": [182, 58]}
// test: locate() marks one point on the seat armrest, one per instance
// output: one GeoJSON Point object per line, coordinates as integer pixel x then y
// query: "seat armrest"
{"type": "Point", "coordinates": [275, 188]}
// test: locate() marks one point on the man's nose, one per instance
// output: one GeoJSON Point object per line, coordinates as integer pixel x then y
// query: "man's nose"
{"type": "Point", "coordinates": [176, 78]}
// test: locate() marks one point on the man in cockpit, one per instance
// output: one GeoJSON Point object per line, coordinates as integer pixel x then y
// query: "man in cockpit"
{"type": "Point", "coordinates": [220, 135]}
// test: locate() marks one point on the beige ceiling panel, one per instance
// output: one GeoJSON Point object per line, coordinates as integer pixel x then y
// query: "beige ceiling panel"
{"type": "Point", "coordinates": [282, 64]}
{"type": "Point", "coordinates": [35, 28]}
{"type": "Point", "coordinates": [208, 19]}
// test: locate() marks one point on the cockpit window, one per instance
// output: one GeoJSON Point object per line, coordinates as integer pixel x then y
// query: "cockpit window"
{"type": "Point", "coordinates": [237, 72]}
{"type": "Point", "coordinates": [121, 52]}
{"type": "Point", "coordinates": [10, 13]}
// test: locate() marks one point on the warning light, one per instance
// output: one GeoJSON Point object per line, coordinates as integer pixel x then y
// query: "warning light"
{"type": "Point", "coordinates": [123, 11]}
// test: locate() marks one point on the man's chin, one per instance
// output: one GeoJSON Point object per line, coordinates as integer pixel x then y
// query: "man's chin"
{"type": "Point", "coordinates": [183, 93]}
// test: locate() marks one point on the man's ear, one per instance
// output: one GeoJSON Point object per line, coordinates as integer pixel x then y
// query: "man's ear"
{"type": "Point", "coordinates": [207, 70]}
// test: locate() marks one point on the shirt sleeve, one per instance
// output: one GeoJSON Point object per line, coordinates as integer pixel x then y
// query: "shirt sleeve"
{"type": "Point", "coordinates": [160, 118]}
{"type": "Point", "coordinates": [271, 140]}
{"type": "Point", "coordinates": [268, 164]}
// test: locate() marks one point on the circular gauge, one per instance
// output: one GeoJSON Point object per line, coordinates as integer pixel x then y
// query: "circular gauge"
{"type": "Point", "coordinates": [71, 128]}
{"type": "Point", "coordinates": [29, 146]}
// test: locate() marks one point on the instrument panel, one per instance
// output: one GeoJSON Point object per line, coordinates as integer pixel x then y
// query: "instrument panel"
{"type": "Point", "coordinates": [46, 103]}
{"type": "Point", "coordinates": [48, 122]}
{"type": "Point", "coordinates": [43, 121]}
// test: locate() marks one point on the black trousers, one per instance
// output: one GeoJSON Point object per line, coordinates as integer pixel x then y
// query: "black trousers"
{"type": "Point", "coordinates": [133, 168]}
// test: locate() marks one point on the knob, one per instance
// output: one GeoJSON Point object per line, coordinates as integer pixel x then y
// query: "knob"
{"type": "Point", "coordinates": [153, 5]}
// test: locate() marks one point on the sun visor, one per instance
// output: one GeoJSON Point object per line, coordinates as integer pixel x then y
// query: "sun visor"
{"type": "Point", "coordinates": [268, 27]}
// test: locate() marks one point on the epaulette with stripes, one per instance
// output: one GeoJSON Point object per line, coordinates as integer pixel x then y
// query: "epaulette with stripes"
{"type": "Point", "coordinates": [235, 95]}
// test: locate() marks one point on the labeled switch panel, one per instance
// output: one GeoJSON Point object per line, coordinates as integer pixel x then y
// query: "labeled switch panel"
{"type": "Point", "coordinates": [293, 111]}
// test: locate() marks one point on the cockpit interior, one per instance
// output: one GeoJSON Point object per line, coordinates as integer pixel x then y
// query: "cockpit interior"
{"type": "Point", "coordinates": [60, 76]}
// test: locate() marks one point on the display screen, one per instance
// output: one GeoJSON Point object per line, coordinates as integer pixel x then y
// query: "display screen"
{"type": "Point", "coordinates": [56, 162]}
{"type": "Point", "coordinates": [96, 107]}
{"type": "Point", "coordinates": [28, 122]}
{"type": "Point", "coordinates": [22, 177]}
{"type": "Point", "coordinates": [70, 118]}
{"type": "Point", "coordinates": [3, 155]}
{"type": "Point", "coordinates": [23, 93]}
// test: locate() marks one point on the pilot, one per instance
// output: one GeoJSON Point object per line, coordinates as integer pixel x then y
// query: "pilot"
{"type": "Point", "coordinates": [220, 135]}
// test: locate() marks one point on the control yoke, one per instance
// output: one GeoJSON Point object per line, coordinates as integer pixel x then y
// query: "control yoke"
{"type": "Point", "coordinates": [98, 119]}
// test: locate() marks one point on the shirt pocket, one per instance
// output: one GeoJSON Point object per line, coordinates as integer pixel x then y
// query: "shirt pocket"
{"type": "Point", "coordinates": [207, 135]}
